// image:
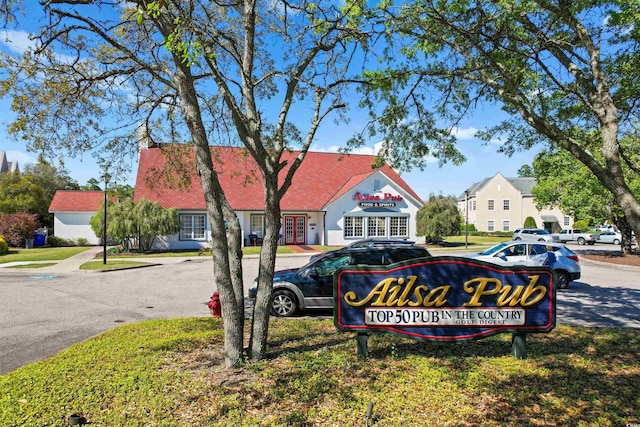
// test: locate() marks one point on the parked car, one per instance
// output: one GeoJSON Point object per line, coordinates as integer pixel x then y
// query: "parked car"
{"type": "Point", "coordinates": [311, 286]}
{"type": "Point", "coordinates": [365, 243]}
{"type": "Point", "coordinates": [537, 234]}
{"type": "Point", "coordinates": [604, 227]}
{"type": "Point", "coordinates": [610, 237]}
{"type": "Point", "coordinates": [576, 235]}
{"type": "Point", "coordinates": [519, 253]}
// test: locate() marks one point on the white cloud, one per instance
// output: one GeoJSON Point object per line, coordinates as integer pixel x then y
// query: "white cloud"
{"type": "Point", "coordinates": [464, 133]}
{"type": "Point", "coordinates": [20, 157]}
{"type": "Point", "coordinates": [17, 41]}
{"type": "Point", "coordinates": [335, 148]}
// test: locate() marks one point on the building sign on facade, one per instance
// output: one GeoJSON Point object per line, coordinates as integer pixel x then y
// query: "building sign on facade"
{"type": "Point", "coordinates": [385, 200]}
{"type": "Point", "coordinates": [445, 299]}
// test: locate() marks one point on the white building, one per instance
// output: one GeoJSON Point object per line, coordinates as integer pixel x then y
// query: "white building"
{"type": "Point", "coordinates": [334, 198]}
{"type": "Point", "coordinates": [72, 211]}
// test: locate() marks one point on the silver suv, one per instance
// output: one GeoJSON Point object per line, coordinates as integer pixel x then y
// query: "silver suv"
{"type": "Point", "coordinates": [537, 234]}
{"type": "Point", "coordinates": [509, 254]}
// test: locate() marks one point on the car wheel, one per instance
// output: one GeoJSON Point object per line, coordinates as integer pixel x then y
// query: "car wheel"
{"type": "Point", "coordinates": [591, 243]}
{"type": "Point", "coordinates": [517, 238]}
{"type": "Point", "coordinates": [580, 240]}
{"type": "Point", "coordinates": [563, 279]}
{"type": "Point", "coordinates": [284, 304]}
{"type": "Point", "coordinates": [616, 242]}
{"type": "Point", "coordinates": [541, 240]}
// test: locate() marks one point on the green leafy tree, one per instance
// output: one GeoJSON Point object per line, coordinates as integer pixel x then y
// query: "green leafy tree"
{"type": "Point", "coordinates": [526, 171]}
{"type": "Point", "coordinates": [152, 220]}
{"type": "Point", "coordinates": [32, 191]}
{"type": "Point", "coordinates": [18, 193]}
{"type": "Point", "coordinates": [136, 223]}
{"type": "Point", "coordinates": [438, 217]}
{"type": "Point", "coordinates": [49, 179]}
{"type": "Point", "coordinates": [564, 182]}
{"type": "Point", "coordinates": [200, 72]}
{"type": "Point", "coordinates": [97, 221]}
{"type": "Point", "coordinates": [564, 72]}
{"type": "Point", "coordinates": [529, 222]}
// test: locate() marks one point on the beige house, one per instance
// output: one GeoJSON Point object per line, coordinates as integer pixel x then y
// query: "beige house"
{"type": "Point", "coordinates": [502, 204]}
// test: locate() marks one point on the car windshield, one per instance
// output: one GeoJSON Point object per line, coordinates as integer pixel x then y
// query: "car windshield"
{"type": "Point", "coordinates": [494, 249]}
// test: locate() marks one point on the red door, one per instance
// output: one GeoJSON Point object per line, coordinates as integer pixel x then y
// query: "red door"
{"type": "Point", "coordinates": [294, 230]}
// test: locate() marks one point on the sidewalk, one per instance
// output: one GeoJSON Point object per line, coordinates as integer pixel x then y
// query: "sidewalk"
{"type": "Point", "coordinates": [73, 263]}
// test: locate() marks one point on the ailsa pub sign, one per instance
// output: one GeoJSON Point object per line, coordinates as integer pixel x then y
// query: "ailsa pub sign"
{"type": "Point", "coordinates": [445, 298]}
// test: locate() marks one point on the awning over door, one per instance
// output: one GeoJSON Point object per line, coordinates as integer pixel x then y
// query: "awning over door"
{"type": "Point", "coordinates": [549, 218]}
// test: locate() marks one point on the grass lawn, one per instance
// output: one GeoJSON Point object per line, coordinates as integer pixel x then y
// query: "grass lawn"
{"type": "Point", "coordinates": [36, 265]}
{"type": "Point", "coordinates": [41, 254]}
{"type": "Point", "coordinates": [168, 373]}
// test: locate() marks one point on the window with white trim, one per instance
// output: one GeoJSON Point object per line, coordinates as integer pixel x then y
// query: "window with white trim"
{"type": "Point", "coordinates": [505, 205]}
{"type": "Point", "coordinates": [398, 226]}
{"type": "Point", "coordinates": [376, 226]}
{"type": "Point", "coordinates": [353, 226]}
{"type": "Point", "coordinates": [567, 221]}
{"type": "Point", "coordinates": [506, 225]}
{"type": "Point", "coordinates": [257, 225]}
{"type": "Point", "coordinates": [192, 226]}
{"type": "Point", "coordinates": [491, 225]}
{"type": "Point", "coordinates": [491, 204]}
{"type": "Point", "coordinates": [473, 205]}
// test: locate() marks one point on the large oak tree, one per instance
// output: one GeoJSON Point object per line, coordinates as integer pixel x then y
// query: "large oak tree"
{"type": "Point", "coordinates": [564, 72]}
{"type": "Point", "coordinates": [259, 75]}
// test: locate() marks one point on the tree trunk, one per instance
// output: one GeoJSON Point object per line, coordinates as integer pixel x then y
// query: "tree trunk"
{"type": "Point", "coordinates": [234, 238]}
{"type": "Point", "coordinates": [233, 313]}
{"type": "Point", "coordinates": [262, 308]}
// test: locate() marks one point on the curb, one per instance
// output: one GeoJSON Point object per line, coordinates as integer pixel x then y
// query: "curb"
{"type": "Point", "coordinates": [609, 264]}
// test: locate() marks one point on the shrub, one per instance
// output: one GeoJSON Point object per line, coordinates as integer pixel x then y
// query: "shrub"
{"type": "Point", "coordinates": [4, 246]}
{"type": "Point", "coordinates": [583, 224]}
{"type": "Point", "coordinates": [472, 228]}
{"type": "Point", "coordinates": [18, 227]}
{"type": "Point", "coordinates": [56, 241]}
{"type": "Point", "coordinates": [529, 222]}
{"type": "Point", "coordinates": [81, 241]}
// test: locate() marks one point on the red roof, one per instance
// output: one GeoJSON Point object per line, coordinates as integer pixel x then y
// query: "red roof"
{"type": "Point", "coordinates": [76, 201]}
{"type": "Point", "coordinates": [321, 179]}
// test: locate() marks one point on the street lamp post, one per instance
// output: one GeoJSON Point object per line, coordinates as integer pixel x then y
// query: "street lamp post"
{"type": "Point", "coordinates": [104, 225]}
{"type": "Point", "coordinates": [466, 220]}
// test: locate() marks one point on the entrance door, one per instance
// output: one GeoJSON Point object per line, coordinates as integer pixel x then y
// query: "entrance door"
{"type": "Point", "coordinates": [294, 230]}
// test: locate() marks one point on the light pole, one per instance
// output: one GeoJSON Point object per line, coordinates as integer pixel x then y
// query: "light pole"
{"type": "Point", "coordinates": [104, 225]}
{"type": "Point", "coordinates": [466, 220]}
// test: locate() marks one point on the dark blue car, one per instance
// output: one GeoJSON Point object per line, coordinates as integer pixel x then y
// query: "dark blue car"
{"type": "Point", "coordinates": [311, 286]}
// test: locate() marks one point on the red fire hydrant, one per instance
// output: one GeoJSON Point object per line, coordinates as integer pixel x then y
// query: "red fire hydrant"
{"type": "Point", "coordinates": [215, 306]}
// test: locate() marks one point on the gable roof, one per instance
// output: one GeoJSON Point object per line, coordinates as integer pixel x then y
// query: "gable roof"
{"type": "Point", "coordinates": [76, 201]}
{"type": "Point", "coordinates": [523, 185]}
{"type": "Point", "coordinates": [321, 178]}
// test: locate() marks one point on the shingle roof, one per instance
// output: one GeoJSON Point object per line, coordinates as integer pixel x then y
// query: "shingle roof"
{"type": "Point", "coordinates": [524, 185]}
{"type": "Point", "coordinates": [321, 178]}
{"type": "Point", "coordinates": [76, 201]}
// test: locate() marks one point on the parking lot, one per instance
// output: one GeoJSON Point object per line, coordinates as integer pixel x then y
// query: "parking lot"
{"type": "Point", "coordinates": [41, 314]}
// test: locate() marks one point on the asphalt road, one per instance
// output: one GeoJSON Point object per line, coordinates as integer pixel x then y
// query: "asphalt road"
{"type": "Point", "coordinates": [44, 313]}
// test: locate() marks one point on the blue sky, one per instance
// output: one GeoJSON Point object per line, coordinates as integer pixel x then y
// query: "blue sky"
{"type": "Point", "coordinates": [482, 159]}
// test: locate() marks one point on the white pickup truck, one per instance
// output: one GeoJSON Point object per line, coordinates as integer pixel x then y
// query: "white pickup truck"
{"type": "Point", "coordinates": [576, 235]}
